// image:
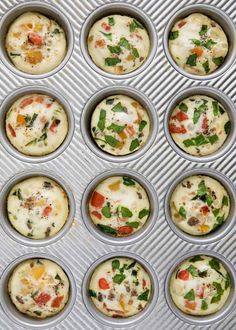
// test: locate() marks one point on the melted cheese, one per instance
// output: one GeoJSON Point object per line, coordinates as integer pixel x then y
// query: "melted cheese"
{"type": "Point", "coordinates": [119, 206]}
{"type": "Point", "coordinates": [118, 44]}
{"type": "Point", "coordinates": [35, 43]}
{"type": "Point", "coordinates": [201, 38]}
{"type": "Point", "coordinates": [197, 288]}
{"type": "Point", "coordinates": [37, 207]}
{"type": "Point", "coordinates": [120, 125]}
{"type": "Point", "coordinates": [202, 128]}
{"type": "Point", "coordinates": [199, 205]}
{"type": "Point", "coordinates": [36, 124]}
{"type": "Point", "coordinates": [39, 288]}
{"type": "Point", "coordinates": [120, 293]}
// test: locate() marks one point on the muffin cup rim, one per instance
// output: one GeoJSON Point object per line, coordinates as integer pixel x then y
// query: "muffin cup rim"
{"type": "Point", "coordinates": [31, 322]}
{"type": "Point", "coordinates": [149, 27]}
{"type": "Point", "coordinates": [150, 222]}
{"type": "Point", "coordinates": [208, 319]}
{"type": "Point", "coordinates": [202, 7]}
{"type": "Point", "coordinates": [36, 89]}
{"type": "Point", "coordinates": [213, 93]}
{"type": "Point", "coordinates": [129, 321]}
{"type": "Point", "coordinates": [7, 226]}
{"type": "Point", "coordinates": [70, 46]}
{"type": "Point", "coordinates": [127, 91]}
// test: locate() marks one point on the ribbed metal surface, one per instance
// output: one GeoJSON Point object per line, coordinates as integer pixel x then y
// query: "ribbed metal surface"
{"type": "Point", "coordinates": [78, 165]}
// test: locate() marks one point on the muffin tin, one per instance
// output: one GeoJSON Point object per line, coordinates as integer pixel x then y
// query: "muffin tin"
{"type": "Point", "coordinates": [78, 84]}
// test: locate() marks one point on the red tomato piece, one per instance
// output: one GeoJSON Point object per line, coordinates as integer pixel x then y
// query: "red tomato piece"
{"type": "Point", "coordinates": [35, 39]}
{"type": "Point", "coordinates": [26, 102]}
{"type": "Point", "coordinates": [183, 275]}
{"type": "Point", "coordinates": [97, 199]}
{"type": "Point", "coordinates": [106, 26]}
{"type": "Point", "coordinates": [54, 125]}
{"type": "Point", "coordinates": [101, 43]}
{"type": "Point", "coordinates": [205, 123]}
{"type": "Point", "coordinates": [47, 210]}
{"type": "Point", "coordinates": [125, 230]}
{"type": "Point", "coordinates": [181, 23]}
{"type": "Point", "coordinates": [190, 304]}
{"type": "Point", "coordinates": [57, 301]}
{"type": "Point", "coordinates": [103, 284]}
{"type": "Point", "coordinates": [204, 210]}
{"type": "Point", "coordinates": [97, 214]}
{"type": "Point", "coordinates": [181, 116]}
{"type": "Point", "coordinates": [42, 299]}
{"type": "Point", "coordinates": [175, 129]}
{"type": "Point", "coordinates": [12, 131]}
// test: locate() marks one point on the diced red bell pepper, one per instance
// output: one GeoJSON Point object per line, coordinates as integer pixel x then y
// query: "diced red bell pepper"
{"type": "Point", "coordinates": [181, 23]}
{"type": "Point", "coordinates": [175, 129]}
{"type": "Point", "coordinates": [97, 214]}
{"type": "Point", "coordinates": [204, 210]}
{"type": "Point", "coordinates": [181, 116]}
{"type": "Point", "coordinates": [125, 230]}
{"type": "Point", "coordinates": [97, 199]}
{"type": "Point", "coordinates": [106, 26]}
{"type": "Point", "coordinates": [42, 299]}
{"type": "Point", "coordinates": [103, 284]}
{"type": "Point", "coordinates": [47, 210]}
{"type": "Point", "coordinates": [57, 301]}
{"type": "Point", "coordinates": [26, 102]}
{"type": "Point", "coordinates": [183, 275]}
{"type": "Point", "coordinates": [35, 39]}
{"type": "Point", "coordinates": [205, 123]}
{"type": "Point", "coordinates": [12, 131]}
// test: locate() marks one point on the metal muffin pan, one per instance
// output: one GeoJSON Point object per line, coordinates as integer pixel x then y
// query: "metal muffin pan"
{"type": "Point", "coordinates": [217, 95]}
{"type": "Point", "coordinates": [129, 321]}
{"type": "Point", "coordinates": [207, 319]}
{"type": "Point", "coordinates": [90, 107]}
{"type": "Point", "coordinates": [140, 234]}
{"type": "Point", "coordinates": [222, 19]}
{"type": "Point", "coordinates": [118, 8]}
{"type": "Point", "coordinates": [225, 228]}
{"type": "Point", "coordinates": [157, 82]}
{"type": "Point", "coordinates": [22, 319]}
{"type": "Point", "coordinates": [15, 95]}
{"type": "Point", "coordinates": [43, 8]}
{"type": "Point", "coordinates": [11, 231]}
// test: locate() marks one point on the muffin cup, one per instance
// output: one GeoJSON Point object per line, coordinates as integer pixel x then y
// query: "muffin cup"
{"type": "Point", "coordinates": [207, 319]}
{"type": "Point", "coordinates": [129, 321]}
{"type": "Point", "coordinates": [222, 19]}
{"type": "Point", "coordinates": [220, 232]}
{"type": "Point", "coordinates": [144, 231]}
{"type": "Point", "coordinates": [215, 94]}
{"type": "Point", "coordinates": [7, 103]}
{"type": "Point", "coordinates": [90, 106]}
{"type": "Point", "coordinates": [22, 319]}
{"type": "Point", "coordinates": [11, 231]}
{"type": "Point", "coordinates": [118, 8]}
{"type": "Point", "coordinates": [45, 9]}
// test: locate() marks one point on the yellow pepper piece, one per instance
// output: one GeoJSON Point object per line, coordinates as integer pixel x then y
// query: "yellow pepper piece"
{"type": "Point", "coordinates": [115, 186]}
{"type": "Point", "coordinates": [37, 271]}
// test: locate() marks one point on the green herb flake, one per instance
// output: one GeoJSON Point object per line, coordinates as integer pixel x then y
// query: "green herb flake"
{"type": "Point", "coordinates": [114, 49]}
{"type": "Point", "coordinates": [135, 25]}
{"type": "Point", "coordinates": [118, 108]}
{"type": "Point", "coordinates": [125, 212]}
{"type": "Point", "coordinates": [133, 224]}
{"type": "Point", "coordinates": [134, 145]}
{"type": "Point", "coordinates": [102, 120]}
{"type": "Point", "coordinates": [144, 296]}
{"type": "Point", "coordinates": [218, 60]}
{"type": "Point", "coordinates": [173, 35]}
{"type": "Point", "coordinates": [119, 278]}
{"type": "Point", "coordinates": [111, 21]}
{"type": "Point", "coordinates": [209, 43]}
{"type": "Point", "coordinates": [225, 200]}
{"type": "Point", "coordinates": [196, 258]}
{"type": "Point", "coordinates": [115, 264]}
{"type": "Point", "coordinates": [127, 181]}
{"type": "Point", "coordinates": [92, 293]}
{"type": "Point", "coordinates": [183, 107]}
{"type": "Point", "coordinates": [112, 61]}
{"type": "Point", "coordinates": [107, 229]}
{"type": "Point", "coordinates": [204, 305]}
{"type": "Point", "coordinates": [18, 194]}
{"type": "Point", "coordinates": [182, 212]}
{"type": "Point", "coordinates": [124, 43]}
{"type": "Point", "coordinates": [209, 200]}
{"type": "Point", "coordinates": [214, 264]}
{"type": "Point", "coordinates": [143, 213]}
{"type": "Point", "coordinates": [190, 295]}
{"type": "Point", "coordinates": [116, 128]}
{"type": "Point", "coordinates": [14, 54]}
{"type": "Point", "coordinates": [203, 30]}
{"type": "Point", "coordinates": [135, 52]}
{"type": "Point", "coordinates": [197, 42]}
{"type": "Point", "coordinates": [213, 138]}
{"type": "Point", "coordinates": [142, 124]}
{"type": "Point", "coordinates": [202, 189]}
{"type": "Point", "coordinates": [191, 60]}
{"type": "Point", "coordinates": [106, 211]}
{"type": "Point", "coordinates": [227, 127]}
{"type": "Point", "coordinates": [216, 212]}
{"type": "Point", "coordinates": [107, 35]}
{"type": "Point", "coordinates": [111, 141]}
{"type": "Point", "coordinates": [215, 106]}
{"type": "Point", "coordinates": [220, 219]}
{"type": "Point", "coordinates": [206, 66]}
{"type": "Point", "coordinates": [192, 270]}
{"type": "Point", "coordinates": [227, 281]}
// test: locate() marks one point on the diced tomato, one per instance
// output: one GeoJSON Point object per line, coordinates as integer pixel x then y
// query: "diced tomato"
{"type": "Point", "coordinates": [190, 304]}
{"type": "Point", "coordinates": [181, 116]}
{"type": "Point", "coordinates": [175, 129]}
{"type": "Point", "coordinates": [26, 102]}
{"type": "Point", "coordinates": [54, 125]}
{"type": "Point", "coordinates": [183, 275]}
{"type": "Point", "coordinates": [204, 210]}
{"type": "Point", "coordinates": [35, 39]}
{"type": "Point", "coordinates": [103, 284]}
{"type": "Point", "coordinates": [42, 299]}
{"type": "Point", "coordinates": [57, 301]}
{"type": "Point", "coordinates": [181, 23]}
{"type": "Point", "coordinates": [130, 130]}
{"type": "Point", "coordinates": [205, 123]}
{"type": "Point", "coordinates": [200, 292]}
{"type": "Point", "coordinates": [100, 43]}
{"type": "Point", "coordinates": [47, 210]}
{"type": "Point", "coordinates": [106, 26]}
{"type": "Point", "coordinates": [198, 51]}
{"type": "Point", "coordinates": [97, 215]}
{"type": "Point", "coordinates": [125, 230]}
{"type": "Point", "coordinates": [12, 131]}
{"type": "Point", "coordinates": [97, 199]}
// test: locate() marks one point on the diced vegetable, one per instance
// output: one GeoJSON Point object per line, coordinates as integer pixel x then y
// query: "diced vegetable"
{"type": "Point", "coordinates": [173, 35]}
{"type": "Point", "coordinates": [135, 25]}
{"type": "Point", "coordinates": [107, 229]}
{"type": "Point", "coordinates": [191, 60]}
{"type": "Point", "coordinates": [103, 284]}
{"type": "Point", "coordinates": [125, 230]}
{"type": "Point", "coordinates": [112, 61]}
{"type": "Point", "coordinates": [125, 212]}
{"type": "Point", "coordinates": [190, 295]}
{"type": "Point", "coordinates": [203, 30]}
{"type": "Point", "coordinates": [42, 299]}
{"type": "Point", "coordinates": [143, 213]}
{"type": "Point", "coordinates": [57, 301]}
{"type": "Point", "coordinates": [107, 35]}
{"type": "Point", "coordinates": [134, 144]}
{"type": "Point", "coordinates": [182, 212]}
{"type": "Point", "coordinates": [183, 275]}
{"type": "Point", "coordinates": [144, 296]}
{"type": "Point", "coordinates": [115, 264]}
{"type": "Point", "coordinates": [118, 278]}
{"type": "Point", "coordinates": [97, 199]}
